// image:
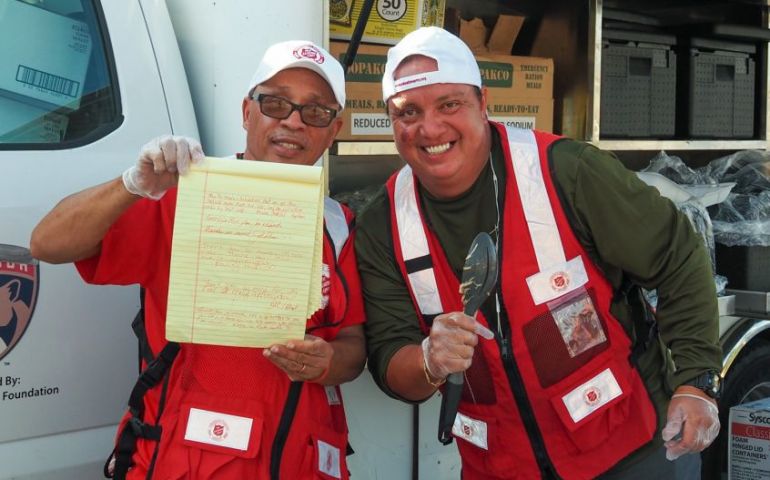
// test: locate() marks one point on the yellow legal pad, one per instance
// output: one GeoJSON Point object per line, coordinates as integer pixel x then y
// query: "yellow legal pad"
{"type": "Point", "coordinates": [246, 253]}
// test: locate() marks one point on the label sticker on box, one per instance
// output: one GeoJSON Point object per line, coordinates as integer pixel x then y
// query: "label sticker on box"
{"type": "Point", "coordinates": [517, 122]}
{"type": "Point", "coordinates": [749, 441]}
{"type": "Point", "coordinates": [370, 124]}
{"type": "Point", "coordinates": [47, 69]}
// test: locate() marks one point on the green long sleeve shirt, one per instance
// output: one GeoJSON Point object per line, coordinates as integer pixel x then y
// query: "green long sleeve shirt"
{"type": "Point", "coordinates": [626, 227]}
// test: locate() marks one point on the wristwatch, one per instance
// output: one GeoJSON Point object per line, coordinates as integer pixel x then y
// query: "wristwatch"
{"type": "Point", "coordinates": [710, 382]}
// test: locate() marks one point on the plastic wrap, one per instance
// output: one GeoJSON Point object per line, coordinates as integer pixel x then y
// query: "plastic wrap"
{"type": "Point", "coordinates": [699, 217]}
{"type": "Point", "coordinates": [357, 199]}
{"type": "Point", "coordinates": [743, 218]}
{"type": "Point", "coordinates": [693, 207]}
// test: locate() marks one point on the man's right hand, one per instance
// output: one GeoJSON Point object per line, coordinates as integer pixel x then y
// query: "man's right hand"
{"type": "Point", "coordinates": [449, 348]}
{"type": "Point", "coordinates": [160, 163]}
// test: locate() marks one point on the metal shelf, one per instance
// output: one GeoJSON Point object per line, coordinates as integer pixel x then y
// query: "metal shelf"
{"type": "Point", "coordinates": [671, 145]}
{"type": "Point", "coordinates": [343, 148]}
{"type": "Point", "coordinates": [593, 133]}
{"type": "Point", "coordinates": [577, 84]}
{"type": "Point", "coordinates": [389, 148]}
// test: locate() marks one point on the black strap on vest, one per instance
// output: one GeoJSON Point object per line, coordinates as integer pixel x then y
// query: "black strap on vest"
{"type": "Point", "coordinates": [145, 354]}
{"type": "Point", "coordinates": [645, 323]}
{"type": "Point", "coordinates": [150, 377]}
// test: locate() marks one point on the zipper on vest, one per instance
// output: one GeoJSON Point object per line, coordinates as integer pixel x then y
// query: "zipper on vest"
{"type": "Point", "coordinates": [287, 417]}
{"type": "Point", "coordinates": [516, 383]}
{"type": "Point", "coordinates": [505, 349]}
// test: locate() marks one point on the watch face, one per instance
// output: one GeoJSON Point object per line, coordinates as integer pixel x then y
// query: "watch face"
{"type": "Point", "coordinates": [710, 383]}
{"type": "Point", "coordinates": [714, 385]}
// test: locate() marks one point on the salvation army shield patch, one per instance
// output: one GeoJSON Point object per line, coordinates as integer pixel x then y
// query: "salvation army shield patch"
{"type": "Point", "coordinates": [19, 275]}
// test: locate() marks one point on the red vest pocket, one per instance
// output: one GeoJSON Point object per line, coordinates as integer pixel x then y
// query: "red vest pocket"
{"type": "Point", "coordinates": [330, 450]}
{"type": "Point", "coordinates": [591, 410]}
{"type": "Point", "coordinates": [323, 456]}
{"type": "Point", "coordinates": [221, 430]}
{"type": "Point", "coordinates": [215, 438]}
{"type": "Point", "coordinates": [480, 438]}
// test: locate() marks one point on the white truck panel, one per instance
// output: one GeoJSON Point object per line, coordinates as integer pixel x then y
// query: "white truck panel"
{"type": "Point", "coordinates": [221, 44]}
{"type": "Point", "coordinates": [79, 343]}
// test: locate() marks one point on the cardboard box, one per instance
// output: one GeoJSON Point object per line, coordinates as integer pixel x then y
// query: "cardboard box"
{"type": "Point", "coordinates": [749, 445]}
{"type": "Point", "coordinates": [520, 92]}
{"type": "Point", "coordinates": [364, 115]}
{"type": "Point", "coordinates": [365, 118]}
{"type": "Point", "coordinates": [47, 67]}
{"type": "Point", "coordinates": [514, 76]}
{"type": "Point", "coordinates": [389, 20]}
{"type": "Point", "coordinates": [506, 30]}
{"type": "Point", "coordinates": [369, 65]}
{"type": "Point", "coordinates": [517, 76]}
{"type": "Point", "coordinates": [529, 113]}
{"type": "Point", "coordinates": [474, 33]}
{"type": "Point", "coordinates": [477, 36]}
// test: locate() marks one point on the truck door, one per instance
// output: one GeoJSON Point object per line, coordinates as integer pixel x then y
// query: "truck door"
{"type": "Point", "coordinates": [80, 93]}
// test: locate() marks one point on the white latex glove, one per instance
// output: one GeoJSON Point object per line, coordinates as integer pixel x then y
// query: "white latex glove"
{"type": "Point", "coordinates": [160, 163]}
{"type": "Point", "coordinates": [449, 347]}
{"type": "Point", "coordinates": [696, 417]}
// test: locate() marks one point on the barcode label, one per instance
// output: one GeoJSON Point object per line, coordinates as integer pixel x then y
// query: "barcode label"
{"type": "Point", "coordinates": [47, 81]}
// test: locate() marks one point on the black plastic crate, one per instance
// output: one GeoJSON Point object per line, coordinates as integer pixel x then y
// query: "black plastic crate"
{"type": "Point", "coordinates": [746, 268]}
{"type": "Point", "coordinates": [638, 89]}
{"type": "Point", "coordinates": [721, 89]}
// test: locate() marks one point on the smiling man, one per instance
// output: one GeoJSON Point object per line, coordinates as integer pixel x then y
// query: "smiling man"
{"type": "Point", "coordinates": [280, 406]}
{"type": "Point", "coordinates": [577, 235]}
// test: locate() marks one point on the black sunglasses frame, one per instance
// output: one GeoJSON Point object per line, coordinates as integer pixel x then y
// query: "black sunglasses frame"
{"type": "Point", "coordinates": [294, 106]}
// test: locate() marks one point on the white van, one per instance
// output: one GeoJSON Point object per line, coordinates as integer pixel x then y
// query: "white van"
{"type": "Point", "coordinates": [81, 88]}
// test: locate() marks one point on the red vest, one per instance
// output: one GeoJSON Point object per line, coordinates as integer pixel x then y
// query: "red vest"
{"type": "Point", "coordinates": [565, 398]}
{"type": "Point", "coordinates": [229, 410]}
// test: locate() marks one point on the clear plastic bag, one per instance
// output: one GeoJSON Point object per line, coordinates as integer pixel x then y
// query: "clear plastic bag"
{"type": "Point", "coordinates": [743, 218]}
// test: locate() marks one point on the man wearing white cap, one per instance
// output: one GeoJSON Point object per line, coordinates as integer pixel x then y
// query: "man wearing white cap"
{"type": "Point", "coordinates": [577, 236]}
{"type": "Point", "coordinates": [205, 411]}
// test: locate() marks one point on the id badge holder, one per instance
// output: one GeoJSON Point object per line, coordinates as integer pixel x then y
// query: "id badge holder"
{"type": "Point", "coordinates": [571, 331]}
{"type": "Point", "coordinates": [578, 323]}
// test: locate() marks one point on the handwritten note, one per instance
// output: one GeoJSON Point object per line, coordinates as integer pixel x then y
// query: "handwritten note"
{"type": "Point", "coordinates": [246, 253]}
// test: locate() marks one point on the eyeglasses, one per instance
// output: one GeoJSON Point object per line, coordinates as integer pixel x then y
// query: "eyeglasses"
{"type": "Point", "coordinates": [311, 114]}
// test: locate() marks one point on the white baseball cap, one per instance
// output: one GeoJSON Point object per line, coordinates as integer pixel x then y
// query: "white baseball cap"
{"type": "Point", "coordinates": [455, 61]}
{"type": "Point", "coordinates": [301, 54]}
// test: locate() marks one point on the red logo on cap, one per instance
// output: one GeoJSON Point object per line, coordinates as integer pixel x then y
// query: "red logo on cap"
{"type": "Point", "coordinates": [310, 52]}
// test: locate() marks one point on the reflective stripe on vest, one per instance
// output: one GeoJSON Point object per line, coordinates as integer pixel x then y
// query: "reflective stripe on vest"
{"type": "Point", "coordinates": [336, 224]}
{"type": "Point", "coordinates": [414, 245]}
{"type": "Point", "coordinates": [541, 223]}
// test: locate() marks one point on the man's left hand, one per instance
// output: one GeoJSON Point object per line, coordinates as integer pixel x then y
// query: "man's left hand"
{"type": "Point", "coordinates": [692, 422]}
{"type": "Point", "coordinates": [302, 360]}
